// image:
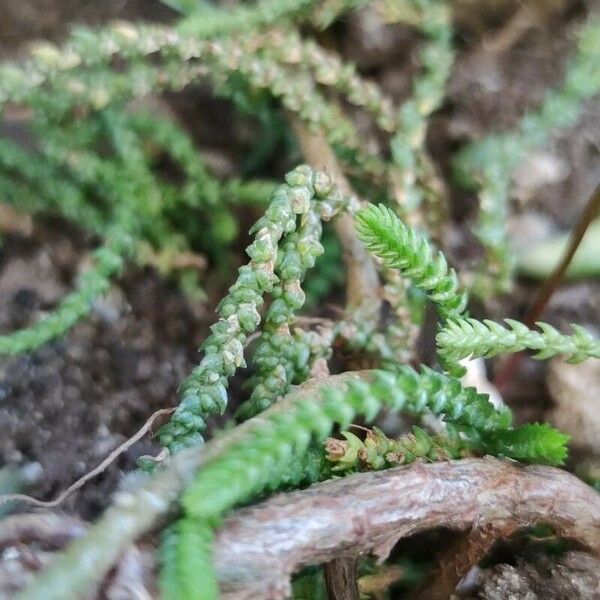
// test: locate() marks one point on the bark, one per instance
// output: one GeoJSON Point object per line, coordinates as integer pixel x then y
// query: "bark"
{"type": "Point", "coordinates": [50, 531]}
{"type": "Point", "coordinates": [341, 576]}
{"type": "Point", "coordinates": [259, 548]}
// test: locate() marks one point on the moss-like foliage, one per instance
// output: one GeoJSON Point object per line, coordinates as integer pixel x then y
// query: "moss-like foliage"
{"type": "Point", "coordinates": [262, 458]}
{"type": "Point", "coordinates": [99, 162]}
{"type": "Point", "coordinates": [533, 442]}
{"type": "Point", "coordinates": [400, 247]}
{"type": "Point", "coordinates": [377, 451]}
{"type": "Point", "coordinates": [107, 262]}
{"type": "Point", "coordinates": [308, 195]}
{"type": "Point", "coordinates": [464, 338]}
{"type": "Point", "coordinates": [537, 443]}
{"type": "Point", "coordinates": [489, 164]}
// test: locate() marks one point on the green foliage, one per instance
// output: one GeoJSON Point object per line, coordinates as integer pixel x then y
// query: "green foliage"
{"type": "Point", "coordinates": [97, 163]}
{"type": "Point", "coordinates": [463, 338]}
{"type": "Point", "coordinates": [261, 458]}
{"type": "Point", "coordinates": [377, 451]}
{"type": "Point", "coordinates": [36, 186]}
{"type": "Point", "coordinates": [307, 194]}
{"type": "Point", "coordinates": [206, 21]}
{"type": "Point", "coordinates": [533, 442]}
{"type": "Point", "coordinates": [257, 460]}
{"type": "Point", "coordinates": [400, 247]}
{"type": "Point", "coordinates": [199, 191]}
{"type": "Point", "coordinates": [309, 585]}
{"type": "Point", "coordinates": [108, 262]}
{"type": "Point", "coordinates": [329, 70]}
{"type": "Point", "coordinates": [117, 193]}
{"type": "Point", "coordinates": [407, 143]}
{"type": "Point", "coordinates": [280, 356]}
{"type": "Point", "coordinates": [185, 544]}
{"type": "Point", "coordinates": [536, 443]}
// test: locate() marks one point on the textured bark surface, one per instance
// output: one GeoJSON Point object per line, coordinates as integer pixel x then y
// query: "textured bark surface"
{"type": "Point", "coordinates": [258, 548]}
{"type": "Point", "coordinates": [341, 576]}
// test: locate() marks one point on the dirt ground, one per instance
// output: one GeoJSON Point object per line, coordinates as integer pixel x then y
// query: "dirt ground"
{"type": "Point", "coordinates": [67, 405]}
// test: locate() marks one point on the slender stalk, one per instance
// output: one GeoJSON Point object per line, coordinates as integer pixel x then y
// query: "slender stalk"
{"type": "Point", "coordinates": [535, 311]}
{"type": "Point", "coordinates": [362, 283]}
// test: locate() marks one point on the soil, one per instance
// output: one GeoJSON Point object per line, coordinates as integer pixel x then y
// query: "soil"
{"type": "Point", "coordinates": [69, 404]}
{"type": "Point", "coordinates": [574, 576]}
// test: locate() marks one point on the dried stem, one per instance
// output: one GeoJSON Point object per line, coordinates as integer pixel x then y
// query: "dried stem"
{"type": "Point", "coordinates": [361, 276]}
{"type": "Point", "coordinates": [259, 548]}
{"type": "Point", "coordinates": [590, 212]}
{"type": "Point", "coordinates": [341, 576]}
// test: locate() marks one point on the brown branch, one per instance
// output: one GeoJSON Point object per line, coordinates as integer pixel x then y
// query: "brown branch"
{"type": "Point", "coordinates": [590, 212]}
{"type": "Point", "coordinates": [362, 283]}
{"type": "Point", "coordinates": [534, 312]}
{"type": "Point", "coordinates": [259, 548]}
{"type": "Point", "coordinates": [505, 38]}
{"type": "Point", "coordinates": [340, 579]}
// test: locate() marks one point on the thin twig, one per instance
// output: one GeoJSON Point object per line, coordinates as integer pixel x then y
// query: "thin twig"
{"type": "Point", "coordinates": [24, 498]}
{"type": "Point", "coordinates": [590, 212]}
{"type": "Point", "coordinates": [533, 313]}
{"type": "Point", "coordinates": [510, 33]}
